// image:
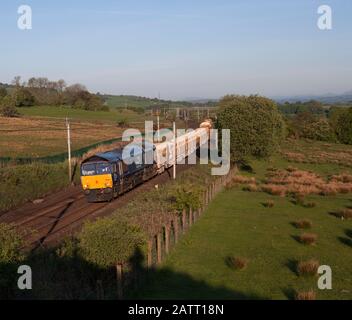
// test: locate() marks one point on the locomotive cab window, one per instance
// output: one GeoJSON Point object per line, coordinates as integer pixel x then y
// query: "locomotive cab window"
{"type": "Point", "coordinates": [91, 169]}
{"type": "Point", "coordinates": [88, 169]}
{"type": "Point", "coordinates": [103, 168]}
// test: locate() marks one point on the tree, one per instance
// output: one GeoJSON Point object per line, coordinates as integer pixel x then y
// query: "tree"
{"type": "Point", "coordinates": [344, 127]}
{"type": "Point", "coordinates": [23, 97]}
{"type": "Point", "coordinates": [256, 126]}
{"type": "Point", "coordinates": [8, 107]}
{"type": "Point", "coordinates": [17, 81]}
{"type": "Point", "coordinates": [3, 93]}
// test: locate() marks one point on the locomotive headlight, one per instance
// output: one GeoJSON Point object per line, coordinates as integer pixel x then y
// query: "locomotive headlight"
{"type": "Point", "coordinates": [85, 187]}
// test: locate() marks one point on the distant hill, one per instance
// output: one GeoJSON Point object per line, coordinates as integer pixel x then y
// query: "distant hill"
{"type": "Point", "coordinates": [124, 101]}
{"type": "Point", "coordinates": [326, 99]}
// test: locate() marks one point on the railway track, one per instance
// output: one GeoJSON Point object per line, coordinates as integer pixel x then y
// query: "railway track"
{"type": "Point", "coordinates": [62, 214]}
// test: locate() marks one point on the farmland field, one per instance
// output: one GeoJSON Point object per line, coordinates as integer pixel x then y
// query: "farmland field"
{"type": "Point", "coordinates": [62, 112]}
{"type": "Point", "coordinates": [23, 137]}
{"type": "Point", "coordinates": [241, 224]}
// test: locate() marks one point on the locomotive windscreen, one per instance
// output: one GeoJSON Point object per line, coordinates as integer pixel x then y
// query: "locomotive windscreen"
{"type": "Point", "coordinates": [92, 169]}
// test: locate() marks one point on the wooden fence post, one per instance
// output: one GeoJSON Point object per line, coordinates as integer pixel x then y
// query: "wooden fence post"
{"type": "Point", "coordinates": [195, 215]}
{"type": "Point", "coordinates": [183, 220]}
{"type": "Point", "coordinates": [167, 239]}
{"type": "Point", "coordinates": [159, 247]}
{"type": "Point", "coordinates": [119, 281]}
{"type": "Point", "coordinates": [176, 229]}
{"type": "Point", "coordinates": [150, 254]}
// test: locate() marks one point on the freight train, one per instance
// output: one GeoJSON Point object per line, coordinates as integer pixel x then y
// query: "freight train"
{"type": "Point", "coordinates": [106, 175]}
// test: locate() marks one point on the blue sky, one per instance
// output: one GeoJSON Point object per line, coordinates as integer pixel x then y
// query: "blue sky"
{"type": "Point", "coordinates": [180, 48]}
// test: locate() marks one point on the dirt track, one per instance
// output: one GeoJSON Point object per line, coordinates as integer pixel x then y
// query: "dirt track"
{"type": "Point", "coordinates": [61, 214]}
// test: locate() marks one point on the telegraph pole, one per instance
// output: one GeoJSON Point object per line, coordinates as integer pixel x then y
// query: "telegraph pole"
{"type": "Point", "coordinates": [174, 146]}
{"type": "Point", "coordinates": [158, 119]}
{"type": "Point", "coordinates": [69, 148]}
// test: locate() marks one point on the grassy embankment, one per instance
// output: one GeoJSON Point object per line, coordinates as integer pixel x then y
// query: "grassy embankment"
{"type": "Point", "coordinates": [242, 225]}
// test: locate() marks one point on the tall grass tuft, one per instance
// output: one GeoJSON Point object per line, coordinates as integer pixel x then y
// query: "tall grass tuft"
{"type": "Point", "coordinates": [303, 224]}
{"type": "Point", "coordinates": [237, 263]}
{"type": "Point", "coordinates": [308, 238]}
{"type": "Point", "coordinates": [308, 268]}
{"type": "Point", "coordinates": [306, 295]}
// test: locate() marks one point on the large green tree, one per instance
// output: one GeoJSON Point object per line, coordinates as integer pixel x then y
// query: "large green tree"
{"type": "Point", "coordinates": [256, 126]}
{"type": "Point", "coordinates": [344, 126]}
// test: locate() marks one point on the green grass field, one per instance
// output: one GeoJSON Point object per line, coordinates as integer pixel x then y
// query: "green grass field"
{"type": "Point", "coordinates": [236, 224]}
{"type": "Point", "coordinates": [62, 112]}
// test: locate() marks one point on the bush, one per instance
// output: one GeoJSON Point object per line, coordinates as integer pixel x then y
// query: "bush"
{"type": "Point", "coordinates": [3, 93]}
{"type": "Point", "coordinates": [256, 125]}
{"type": "Point", "coordinates": [8, 107]}
{"type": "Point", "coordinates": [10, 244]}
{"type": "Point", "coordinates": [187, 197]}
{"type": "Point", "coordinates": [23, 97]}
{"type": "Point", "coordinates": [268, 204]}
{"type": "Point", "coordinates": [109, 241]}
{"type": "Point", "coordinates": [344, 126]}
{"type": "Point", "coordinates": [123, 123]}
{"type": "Point", "coordinates": [10, 254]}
{"type": "Point", "coordinates": [344, 214]}
{"type": "Point", "coordinates": [23, 183]}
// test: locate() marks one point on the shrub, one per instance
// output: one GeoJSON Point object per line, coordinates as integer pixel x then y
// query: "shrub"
{"type": "Point", "coordinates": [10, 254]}
{"type": "Point", "coordinates": [305, 295]}
{"type": "Point", "coordinates": [256, 125]}
{"type": "Point", "coordinates": [186, 197]}
{"type": "Point", "coordinates": [10, 244]}
{"type": "Point", "coordinates": [123, 123]}
{"type": "Point", "coordinates": [109, 241]}
{"type": "Point", "coordinates": [344, 126]}
{"type": "Point", "coordinates": [251, 188]}
{"type": "Point", "coordinates": [298, 199]}
{"type": "Point", "coordinates": [344, 214]}
{"type": "Point", "coordinates": [268, 204]}
{"type": "Point", "coordinates": [310, 126]}
{"type": "Point", "coordinates": [310, 204]}
{"type": "Point", "coordinates": [23, 97]}
{"type": "Point", "coordinates": [23, 183]}
{"type": "Point", "coordinates": [8, 107]}
{"type": "Point", "coordinates": [237, 263]}
{"type": "Point", "coordinates": [308, 268]}
{"type": "Point", "coordinates": [303, 224]}
{"type": "Point", "coordinates": [275, 190]}
{"type": "Point", "coordinates": [308, 238]}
